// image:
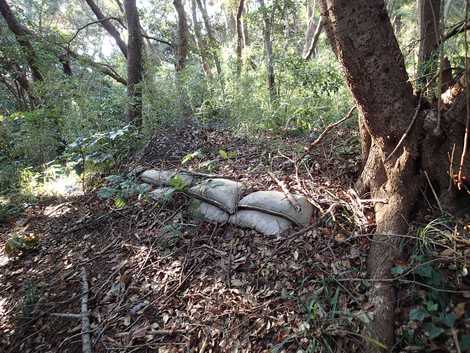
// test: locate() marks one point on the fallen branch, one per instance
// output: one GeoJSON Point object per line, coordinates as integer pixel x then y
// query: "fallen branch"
{"type": "Point", "coordinates": [67, 315]}
{"type": "Point", "coordinates": [286, 192]}
{"type": "Point", "coordinates": [205, 175]}
{"type": "Point", "coordinates": [85, 315]}
{"type": "Point", "coordinates": [331, 127]}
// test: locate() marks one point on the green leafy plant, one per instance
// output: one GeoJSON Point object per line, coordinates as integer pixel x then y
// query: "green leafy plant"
{"type": "Point", "coordinates": [177, 183]}
{"type": "Point", "coordinates": [30, 298]}
{"type": "Point", "coordinates": [120, 189]}
{"type": "Point", "coordinates": [189, 157]}
{"type": "Point", "coordinates": [19, 243]}
{"type": "Point", "coordinates": [9, 211]}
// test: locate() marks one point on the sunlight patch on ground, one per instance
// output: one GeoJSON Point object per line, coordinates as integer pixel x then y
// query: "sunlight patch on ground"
{"type": "Point", "coordinates": [66, 185]}
{"type": "Point", "coordinates": [62, 183]}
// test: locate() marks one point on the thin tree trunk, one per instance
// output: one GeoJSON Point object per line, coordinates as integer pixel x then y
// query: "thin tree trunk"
{"type": "Point", "coordinates": [22, 35]}
{"type": "Point", "coordinates": [181, 51]}
{"type": "Point", "coordinates": [429, 14]}
{"type": "Point", "coordinates": [314, 40]}
{"type": "Point", "coordinates": [108, 26]}
{"type": "Point", "coordinates": [134, 63]}
{"type": "Point", "coordinates": [246, 37]}
{"type": "Point", "coordinates": [200, 41]}
{"type": "Point", "coordinates": [268, 46]}
{"type": "Point", "coordinates": [181, 48]}
{"type": "Point", "coordinates": [210, 34]}
{"type": "Point", "coordinates": [240, 41]}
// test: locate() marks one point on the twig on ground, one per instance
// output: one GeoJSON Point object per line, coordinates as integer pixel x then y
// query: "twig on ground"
{"type": "Point", "coordinates": [434, 192]}
{"type": "Point", "coordinates": [67, 315]}
{"type": "Point", "coordinates": [205, 175]}
{"type": "Point", "coordinates": [85, 315]}
{"type": "Point", "coordinates": [286, 192]}
{"type": "Point", "coordinates": [331, 127]}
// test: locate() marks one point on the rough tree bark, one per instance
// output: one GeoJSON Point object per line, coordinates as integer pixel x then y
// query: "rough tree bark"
{"type": "Point", "coordinates": [268, 47]}
{"type": "Point", "coordinates": [134, 63]}
{"type": "Point", "coordinates": [22, 35]}
{"type": "Point", "coordinates": [362, 37]}
{"type": "Point", "coordinates": [240, 34]}
{"type": "Point", "coordinates": [181, 51]}
{"type": "Point", "coordinates": [181, 48]}
{"type": "Point", "coordinates": [108, 26]}
{"type": "Point", "coordinates": [210, 34]}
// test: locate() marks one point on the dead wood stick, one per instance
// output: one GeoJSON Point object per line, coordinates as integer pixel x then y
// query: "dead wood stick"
{"type": "Point", "coordinates": [205, 175]}
{"type": "Point", "coordinates": [286, 192]}
{"type": "Point", "coordinates": [67, 315]}
{"type": "Point", "coordinates": [331, 127]}
{"type": "Point", "coordinates": [86, 339]}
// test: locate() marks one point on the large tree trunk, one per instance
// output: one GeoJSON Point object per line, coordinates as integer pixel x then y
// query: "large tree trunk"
{"type": "Point", "coordinates": [134, 63]}
{"type": "Point", "coordinates": [362, 37]}
{"type": "Point", "coordinates": [268, 47]}
{"type": "Point", "coordinates": [22, 35]}
{"type": "Point", "coordinates": [108, 26]}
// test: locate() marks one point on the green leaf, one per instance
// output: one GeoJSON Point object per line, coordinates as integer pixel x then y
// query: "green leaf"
{"type": "Point", "coordinates": [425, 271]}
{"type": "Point", "coordinates": [418, 314]}
{"type": "Point", "coordinates": [106, 193]}
{"type": "Point", "coordinates": [448, 319]}
{"type": "Point", "coordinates": [398, 270]}
{"type": "Point", "coordinates": [432, 330]}
{"type": "Point", "coordinates": [177, 183]}
{"type": "Point", "coordinates": [119, 202]}
{"type": "Point", "coordinates": [114, 179]}
{"type": "Point", "coordinates": [431, 306]}
{"type": "Point", "coordinates": [191, 156]}
{"type": "Point", "coordinates": [465, 343]}
{"type": "Point", "coordinates": [223, 154]}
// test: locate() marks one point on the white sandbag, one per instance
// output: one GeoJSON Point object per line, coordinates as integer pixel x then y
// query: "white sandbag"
{"type": "Point", "coordinates": [162, 194]}
{"type": "Point", "coordinates": [164, 177]}
{"type": "Point", "coordinates": [207, 212]}
{"type": "Point", "coordinates": [276, 202]}
{"type": "Point", "coordinates": [223, 193]}
{"type": "Point", "coordinates": [262, 222]}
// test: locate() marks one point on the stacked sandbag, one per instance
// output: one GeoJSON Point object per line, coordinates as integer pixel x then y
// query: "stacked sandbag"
{"type": "Point", "coordinates": [297, 210]}
{"type": "Point", "coordinates": [264, 223]}
{"type": "Point", "coordinates": [207, 212]}
{"type": "Point", "coordinates": [222, 193]}
{"type": "Point", "coordinates": [219, 200]}
{"type": "Point", "coordinates": [165, 177]}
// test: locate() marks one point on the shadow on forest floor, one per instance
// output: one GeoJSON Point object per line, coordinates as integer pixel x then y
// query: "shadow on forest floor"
{"type": "Point", "coordinates": [161, 282]}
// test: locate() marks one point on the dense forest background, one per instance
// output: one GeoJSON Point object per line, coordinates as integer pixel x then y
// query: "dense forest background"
{"type": "Point", "coordinates": [361, 106]}
{"type": "Point", "coordinates": [248, 65]}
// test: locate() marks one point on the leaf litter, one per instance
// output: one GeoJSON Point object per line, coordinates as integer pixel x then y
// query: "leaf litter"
{"type": "Point", "coordinates": [161, 282]}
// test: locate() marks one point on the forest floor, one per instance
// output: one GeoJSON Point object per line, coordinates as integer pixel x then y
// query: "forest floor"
{"type": "Point", "coordinates": [160, 282]}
